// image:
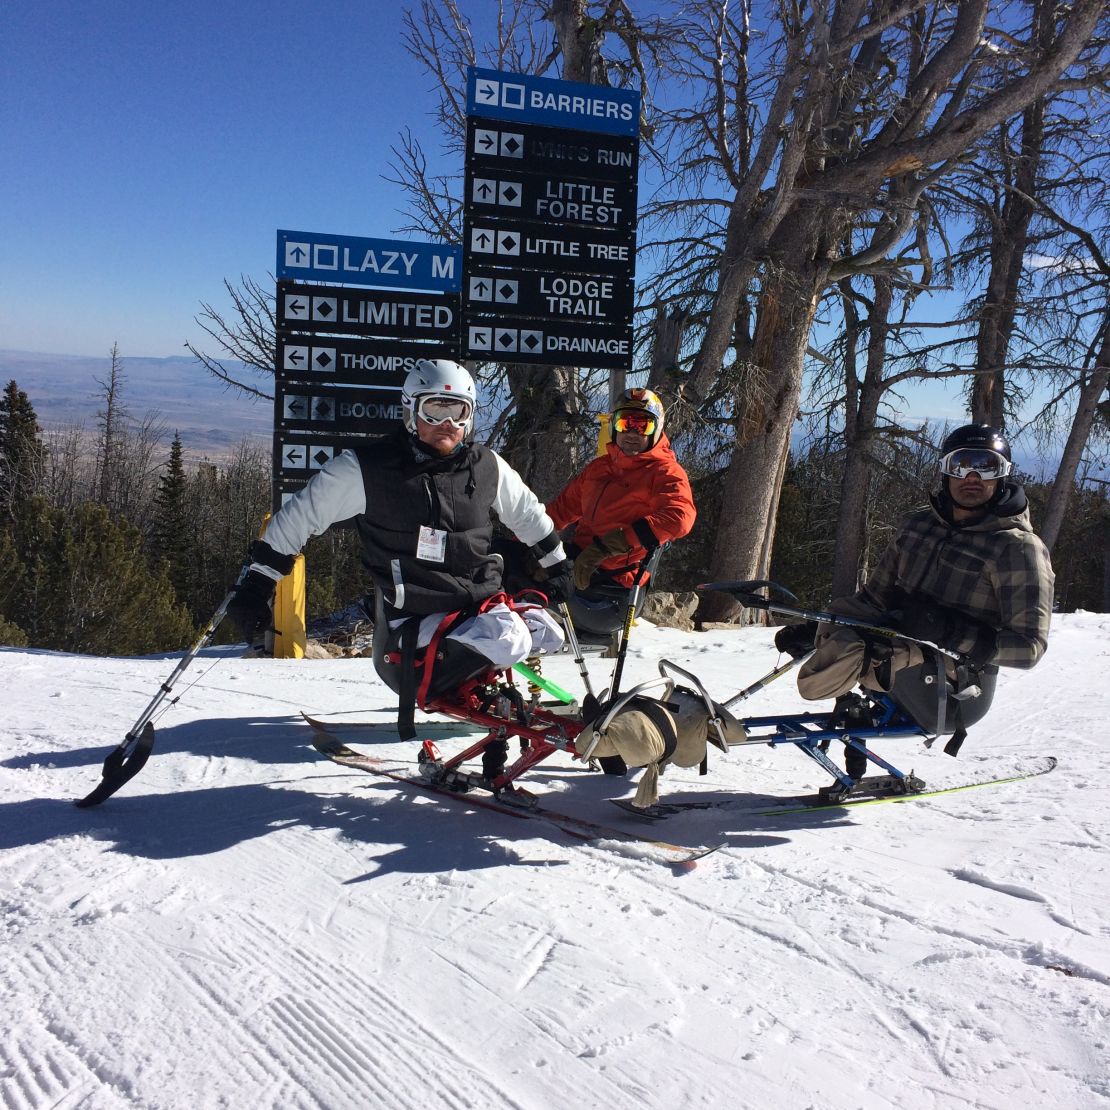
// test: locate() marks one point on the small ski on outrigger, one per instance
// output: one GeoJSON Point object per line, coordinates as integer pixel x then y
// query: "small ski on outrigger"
{"type": "Point", "coordinates": [869, 791]}
{"type": "Point", "coordinates": [523, 806]}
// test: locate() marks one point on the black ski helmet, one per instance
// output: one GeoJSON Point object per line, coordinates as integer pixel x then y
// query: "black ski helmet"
{"type": "Point", "coordinates": [976, 435]}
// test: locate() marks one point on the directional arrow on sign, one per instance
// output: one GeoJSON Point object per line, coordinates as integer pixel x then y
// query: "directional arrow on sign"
{"type": "Point", "coordinates": [482, 240]}
{"type": "Point", "coordinates": [295, 308]}
{"type": "Point", "coordinates": [485, 92]}
{"type": "Point", "coordinates": [294, 357]}
{"type": "Point", "coordinates": [484, 189]}
{"type": "Point", "coordinates": [294, 457]}
{"type": "Point", "coordinates": [296, 407]}
{"type": "Point", "coordinates": [485, 141]}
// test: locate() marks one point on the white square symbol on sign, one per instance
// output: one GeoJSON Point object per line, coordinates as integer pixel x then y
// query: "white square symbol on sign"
{"type": "Point", "coordinates": [512, 144]}
{"type": "Point", "coordinates": [482, 240]}
{"type": "Point", "coordinates": [485, 191]}
{"type": "Point", "coordinates": [323, 308]}
{"type": "Point", "coordinates": [296, 358]}
{"type": "Point", "coordinates": [296, 307]}
{"type": "Point", "coordinates": [294, 458]}
{"type": "Point", "coordinates": [508, 242]}
{"type": "Point", "coordinates": [505, 340]}
{"type": "Point", "coordinates": [481, 289]}
{"type": "Point", "coordinates": [319, 457]}
{"type": "Point", "coordinates": [512, 96]}
{"type": "Point", "coordinates": [507, 291]}
{"type": "Point", "coordinates": [480, 339]}
{"type": "Point", "coordinates": [323, 359]}
{"type": "Point", "coordinates": [296, 254]}
{"type": "Point", "coordinates": [485, 91]}
{"type": "Point", "coordinates": [510, 193]}
{"type": "Point", "coordinates": [485, 142]}
{"type": "Point", "coordinates": [531, 341]}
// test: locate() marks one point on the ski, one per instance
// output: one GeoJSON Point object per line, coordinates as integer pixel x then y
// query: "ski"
{"type": "Point", "coordinates": [333, 748]}
{"type": "Point", "coordinates": [815, 802]}
{"type": "Point", "coordinates": [386, 731]}
{"type": "Point", "coordinates": [808, 803]}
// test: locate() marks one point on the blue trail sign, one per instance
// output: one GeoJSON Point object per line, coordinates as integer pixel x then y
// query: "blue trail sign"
{"type": "Point", "coordinates": [382, 263]}
{"type": "Point", "coordinates": [522, 98]}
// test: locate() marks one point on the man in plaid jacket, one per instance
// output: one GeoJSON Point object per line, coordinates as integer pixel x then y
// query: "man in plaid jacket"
{"type": "Point", "coordinates": [966, 573]}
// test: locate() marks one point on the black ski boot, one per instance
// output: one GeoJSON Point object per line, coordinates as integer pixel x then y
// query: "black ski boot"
{"type": "Point", "coordinates": [494, 757]}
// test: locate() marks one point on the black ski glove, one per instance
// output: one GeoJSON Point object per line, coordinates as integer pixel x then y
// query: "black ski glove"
{"type": "Point", "coordinates": [249, 607]}
{"type": "Point", "coordinates": [796, 640]}
{"type": "Point", "coordinates": [559, 584]}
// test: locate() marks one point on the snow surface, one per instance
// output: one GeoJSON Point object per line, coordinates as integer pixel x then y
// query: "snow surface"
{"type": "Point", "coordinates": [247, 925]}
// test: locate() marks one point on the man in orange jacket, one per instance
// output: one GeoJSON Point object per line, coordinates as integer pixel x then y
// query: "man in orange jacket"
{"type": "Point", "coordinates": [627, 502]}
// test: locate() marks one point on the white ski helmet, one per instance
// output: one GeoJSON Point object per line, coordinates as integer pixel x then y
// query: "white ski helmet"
{"type": "Point", "coordinates": [437, 377]}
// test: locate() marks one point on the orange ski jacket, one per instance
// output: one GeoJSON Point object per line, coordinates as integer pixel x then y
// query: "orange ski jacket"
{"type": "Point", "coordinates": [646, 496]}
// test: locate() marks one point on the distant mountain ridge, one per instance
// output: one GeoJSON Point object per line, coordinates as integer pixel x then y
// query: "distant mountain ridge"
{"type": "Point", "coordinates": [212, 418]}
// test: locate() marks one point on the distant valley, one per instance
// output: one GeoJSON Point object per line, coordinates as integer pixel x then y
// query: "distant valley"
{"type": "Point", "coordinates": [212, 418]}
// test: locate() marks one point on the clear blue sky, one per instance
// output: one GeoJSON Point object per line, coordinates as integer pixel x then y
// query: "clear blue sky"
{"type": "Point", "coordinates": [149, 150]}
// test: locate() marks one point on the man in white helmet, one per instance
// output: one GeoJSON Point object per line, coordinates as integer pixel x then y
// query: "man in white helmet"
{"type": "Point", "coordinates": [421, 499]}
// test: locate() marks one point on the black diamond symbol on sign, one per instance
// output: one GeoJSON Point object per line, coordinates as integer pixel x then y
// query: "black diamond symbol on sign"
{"type": "Point", "coordinates": [323, 410]}
{"type": "Point", "coordinates": [509, 243]}
{"type": "Point", "coordinates": [531, 342]}
{"type": "Point", "coordinates": [506, 339]}
{"type": "Point", "coordinates": [324, 309]}
{"type": "Point", "coordinates": [510, 193]}
{"type": "Point", "coordinates": [323, 360]}
{"type": "Point", "coordinates": [320, 458]}
{"type": "Point", "coordinates": [505, 290]}
{"type": "Point", "coordinates": [511, 145]}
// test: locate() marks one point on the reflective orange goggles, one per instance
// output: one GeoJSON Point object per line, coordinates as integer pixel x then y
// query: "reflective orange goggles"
{"type": "Point", "coordinates": [642, 423]}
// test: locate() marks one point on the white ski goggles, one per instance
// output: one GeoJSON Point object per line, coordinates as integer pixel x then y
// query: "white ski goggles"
{"type": "Point", "coordinates": [438, 408]}
{"type": "Point", "coordinates": [988, 464]}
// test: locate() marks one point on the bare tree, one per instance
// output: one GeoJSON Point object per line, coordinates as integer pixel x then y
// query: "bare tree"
{"type": "Point", "coordinates": [112, 420]}
{"type": "Point", "coordinates": [861, 108]}
{"type": "Point", "coordinates": [247, 334]}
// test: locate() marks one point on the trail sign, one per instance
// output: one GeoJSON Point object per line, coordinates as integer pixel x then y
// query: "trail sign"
{"type": "Point", "coordinates": [546, 198]}
{"type": "Point", "coordinates": [536, 293]}
{"type": "Point", "coordinates": [549, 342]}
{"type": "Point", "coordinates": [383, 313]}
{"type": "Point", "coordinates": [492, 145]}
{"type": "Point", "coordinates": [522, 98]}
{"type": "Point", "coordinates": [337, 361]}
{"type": "Point", "coordinates": [384, 263]}
{"type": "Point", "coordinates": [337, 408]}
{"type": "Point", "coordinates": [552, 247]}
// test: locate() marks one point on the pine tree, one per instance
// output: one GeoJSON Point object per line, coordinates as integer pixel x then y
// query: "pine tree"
{"type": "Point", "coordinates": [21, 450]}
{"type": "Point", "coordinates": [84, 586]}
{"type": "Point", "coordinates": [171, 540]}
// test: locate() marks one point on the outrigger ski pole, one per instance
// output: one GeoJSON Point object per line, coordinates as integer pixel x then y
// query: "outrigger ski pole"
{"type": "Point", "coordinates": [744, 592]}
{"type": "Point", "coordinates": [126, 761]}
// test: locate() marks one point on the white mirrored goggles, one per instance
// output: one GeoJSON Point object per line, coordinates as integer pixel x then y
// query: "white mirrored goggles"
{"type": "Point", "coordinates": [441, 408]}
{"type": "Point", "coordinates": [988, 464]}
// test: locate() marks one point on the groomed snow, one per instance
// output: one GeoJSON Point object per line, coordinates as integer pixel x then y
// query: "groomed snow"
{"type": "Point", "coordinates": [246, 925]}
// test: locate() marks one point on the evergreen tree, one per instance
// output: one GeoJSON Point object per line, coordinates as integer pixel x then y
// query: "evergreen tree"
{"type": "Point", "coordinates": [21, 450]}
{"type": "Point", "coordinates": [171, 540]}
{"type": "Point", "coordinates": [84, 586]}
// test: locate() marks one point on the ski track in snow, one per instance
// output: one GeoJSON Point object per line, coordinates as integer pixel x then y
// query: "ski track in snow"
{"type": "Point", "coordinates": [246, 925]}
